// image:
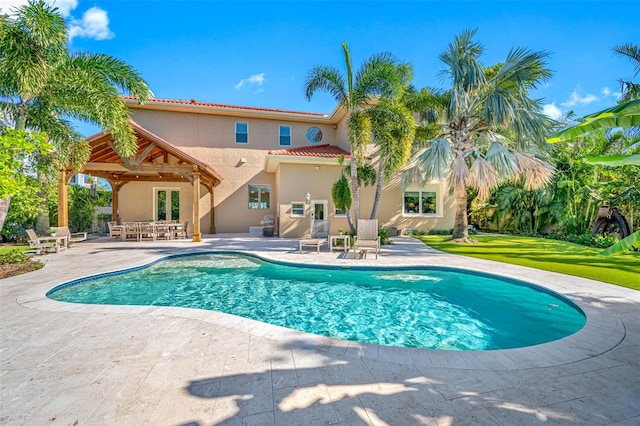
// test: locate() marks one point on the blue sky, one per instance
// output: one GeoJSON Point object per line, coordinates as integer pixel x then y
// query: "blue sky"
{"type": "Point", "coordinates": [259, 53]}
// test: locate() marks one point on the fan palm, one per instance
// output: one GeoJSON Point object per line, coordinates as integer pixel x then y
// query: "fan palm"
{"type": "Point", "coordinates": [41, 83]}
{"type": "Point", "coordinates": [379, 77]}
{"type": "Point", "coordinates": [487, 123]}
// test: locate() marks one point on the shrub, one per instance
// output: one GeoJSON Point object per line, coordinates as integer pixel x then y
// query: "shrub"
{"type": "Point", "coordinates": [383, 233]}
{"type": "Point", "coordinates": [13, 257]}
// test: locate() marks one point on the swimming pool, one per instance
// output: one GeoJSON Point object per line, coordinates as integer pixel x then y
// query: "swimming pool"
{"type": "Point", "coordinates": [436, 308]}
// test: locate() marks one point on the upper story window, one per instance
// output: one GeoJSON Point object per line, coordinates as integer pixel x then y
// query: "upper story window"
{"type": "Point", "coordinates": [242, 132]}
{"type": "Point", "coordinates": [285, 135]}
{"type": "Point", "coordinates": [259, 196]}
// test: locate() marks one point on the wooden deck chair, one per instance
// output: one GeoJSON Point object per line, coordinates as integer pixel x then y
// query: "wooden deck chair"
{"type": "Point", "coordinates": [367, 237]}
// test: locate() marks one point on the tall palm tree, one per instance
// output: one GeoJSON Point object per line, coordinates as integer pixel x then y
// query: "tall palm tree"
{"type": "Point", "coordinates": [378, 77]}
{"type": "Point", "coordinates": [487, 123]}
{"type": "Point", "coordinates": [393, 132]}
{"type": "Point", "coordinates": [42, 84]}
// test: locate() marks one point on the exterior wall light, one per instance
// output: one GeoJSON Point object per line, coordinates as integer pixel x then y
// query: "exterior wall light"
{"type": "Point", "coordinates": [307, 197]}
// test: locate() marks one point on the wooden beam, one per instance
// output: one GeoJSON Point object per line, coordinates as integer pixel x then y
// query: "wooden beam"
{"type": "Point", "coordinates": [63, 206]}
{"type": "Point", "coordinates": [212, 216]}
{"type": "Point", "coordinates": [148, 168]}
{"type": "Point", "coordinates": [197, 236]}
{"type": "Point", "coordinates": [144, 154]}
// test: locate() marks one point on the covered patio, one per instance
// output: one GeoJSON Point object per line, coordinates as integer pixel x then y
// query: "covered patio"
{"type": "Point", "coordinates": [156, 161]}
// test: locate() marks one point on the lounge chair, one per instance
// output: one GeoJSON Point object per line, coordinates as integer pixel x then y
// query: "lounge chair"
{"type": "Point", "coordinates": [367, 237]}
{"type": "Point", "coordinates": [44, 244]}
{"type": "Point", "coordinates": [63, 231]}
{"type": "Point", "coordinates": [319, 235]}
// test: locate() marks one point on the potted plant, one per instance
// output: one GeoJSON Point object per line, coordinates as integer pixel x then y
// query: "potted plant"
{"type": "Point", "coordinates": [340, 231]}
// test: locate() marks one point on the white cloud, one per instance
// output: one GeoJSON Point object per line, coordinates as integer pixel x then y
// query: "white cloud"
{"type": "Point", "coordinates": [94, 24]}
{"type": "Point", "coordinates": [606, 92]}
{"type": "Point", "coordinates": [552, 111]}
{"type": "Point", "coordinates": [577, 99]}
{"type": "Point", "coordinates": [7, 6]}
{"type": "Point", "coordinates": [65, 6]}
{"type": "Point", "coordinates": [254, 79]}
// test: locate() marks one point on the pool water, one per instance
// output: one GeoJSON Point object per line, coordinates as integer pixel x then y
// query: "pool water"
{"type": "Point", "coordinates": [436, 308]}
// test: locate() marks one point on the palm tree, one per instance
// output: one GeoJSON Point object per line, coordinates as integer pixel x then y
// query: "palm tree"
{"type": "Point", "coordinates": [487, 123]}
{"type": "Point", "coordinates": [630, 90]}
{"type": "Point", "coordinates": [393, 132]}
{"type": "Point", "coordinates": [378, 77]}
{"type": "Point", "coordinates": [42, 83]}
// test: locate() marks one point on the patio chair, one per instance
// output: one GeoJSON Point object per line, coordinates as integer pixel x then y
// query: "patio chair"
{"type": "Point", "coordinates": [42, 244]}
{"type": "Point", "coordinates": [131, 231]}
{"type": "Point", "coordinates": [163, 231]}
{"type": "Point", "coordinates": [114, 231]}
{"type": "Point", "coordinates": [63, 231]}
{"type": "Point", "coordinates": [367, 237]}
{"type": "Point", "coordinates": [181, 232]}
{"type": "Point", "coordinates": [147, 231]}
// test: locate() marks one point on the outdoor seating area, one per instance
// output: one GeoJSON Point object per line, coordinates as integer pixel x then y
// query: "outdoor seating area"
{"type": "Point", "coordinates": [47, 244]}
{"type": "Point", "coordinates": [148, 231]}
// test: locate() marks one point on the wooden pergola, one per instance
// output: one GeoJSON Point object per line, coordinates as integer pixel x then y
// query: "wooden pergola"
{"type": "Point", "coordinates": [156, 160]}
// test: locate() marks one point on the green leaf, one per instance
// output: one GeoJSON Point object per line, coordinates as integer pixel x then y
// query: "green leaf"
{"type": "Point", "coordinates": [623, 245]}
{"type": "Point", "coordinates": [614, 160]}
{"type": "Point", "coordinates": [623, 115]}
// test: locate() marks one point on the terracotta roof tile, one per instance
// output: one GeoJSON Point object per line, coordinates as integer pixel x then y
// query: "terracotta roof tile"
{"type": "Point", "coordinates": [209, 104]}
{"type": "Point", "coordinates": [324, 151]}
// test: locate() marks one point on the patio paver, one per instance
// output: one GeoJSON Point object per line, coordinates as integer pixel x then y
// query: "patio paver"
{"type": "Point", "coordinates": [63, 363]}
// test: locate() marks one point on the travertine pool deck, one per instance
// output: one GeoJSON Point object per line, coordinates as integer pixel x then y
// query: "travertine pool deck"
{"type": "Point", "coordinates": [72, 364]}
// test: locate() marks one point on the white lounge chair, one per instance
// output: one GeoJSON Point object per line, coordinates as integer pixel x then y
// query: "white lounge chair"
{"type": "Point", "coordinates": [75, 237]}
{"type": "Point", "coordinates": [367, 237]}
{"type": "Point", "coordinates": [44, 244]}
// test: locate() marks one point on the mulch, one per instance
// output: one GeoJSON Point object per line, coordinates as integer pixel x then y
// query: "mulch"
{"type": "Point", "coordinates": [14, 269]}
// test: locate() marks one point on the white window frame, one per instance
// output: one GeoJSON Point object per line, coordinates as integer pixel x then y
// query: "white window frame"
{"type": "Point", "coordinates": [337, 214]}
{"type": "Point", "coordinates": [238, 133]}
{"type": "Point", "coordinates": [304, 210]}
{"type": "Point", "coordinates": [169, 190]}
{"type": "Point", "coordinates": [259, 186]}
{"type": "Point", "coordinates": [280, 135]}
{"type": "Point", "coordinates": [437, 188]}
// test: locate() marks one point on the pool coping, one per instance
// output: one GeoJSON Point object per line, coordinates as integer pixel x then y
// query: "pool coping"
{"type": "Point", "coordinates": [603, 331]}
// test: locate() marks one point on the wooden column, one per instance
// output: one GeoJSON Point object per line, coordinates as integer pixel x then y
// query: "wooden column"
{"type": "Point", "coordinates": [197, 236]}
{"type": "Point", "coordinates": [115, 189]}
{"type": "Point", "coordinates": [63, 199]}
{"type": "Point", "coordinates": [212, 215]}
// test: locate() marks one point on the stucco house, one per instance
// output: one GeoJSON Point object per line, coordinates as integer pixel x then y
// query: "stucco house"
{"type": "Point", "coordinates": [224, 168]}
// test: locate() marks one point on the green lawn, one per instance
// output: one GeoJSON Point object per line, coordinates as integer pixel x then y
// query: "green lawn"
{"type": "Point", "coordinates": [7, 248]}
{"type": "Point", "coordinates": [548, 255]}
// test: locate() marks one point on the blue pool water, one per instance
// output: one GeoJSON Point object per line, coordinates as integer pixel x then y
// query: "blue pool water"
{"type": "Point", "coordinates": [433, 308]}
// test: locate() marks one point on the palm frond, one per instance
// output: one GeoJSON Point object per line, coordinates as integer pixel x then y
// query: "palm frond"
{"type": "Point", "coordinates": [327, 79]}
{"type": "Point", "coordinates": [503, 160]}
{"type": "Point", "coordinates": [114, 71]}
{"type": "Point", "coordinates": [483, 177]}
{"type": "Point", "coordinates": [534, 172]}
{"type": "Point", "coordinates": [460, 170]}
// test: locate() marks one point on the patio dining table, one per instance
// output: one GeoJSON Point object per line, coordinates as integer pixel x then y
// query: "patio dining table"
{"type": "Point", "coordinates": [139, 230]}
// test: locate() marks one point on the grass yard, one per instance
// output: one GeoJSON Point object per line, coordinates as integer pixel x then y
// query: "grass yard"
{"type": "Point", "coordinates": [15, 264]}
{"type": "Point", "coordinates": [548, 255]}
